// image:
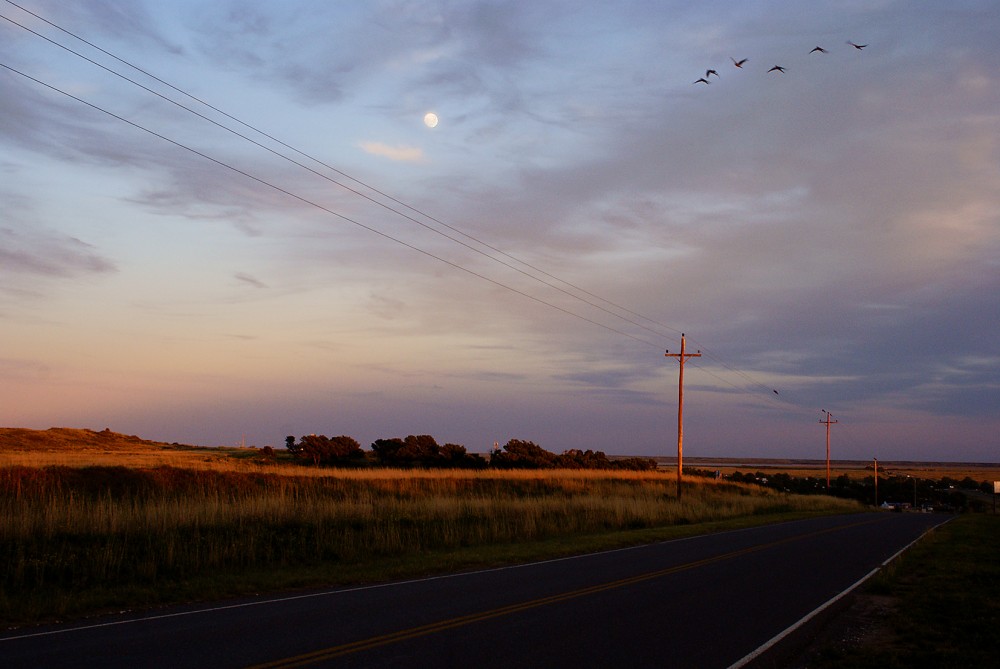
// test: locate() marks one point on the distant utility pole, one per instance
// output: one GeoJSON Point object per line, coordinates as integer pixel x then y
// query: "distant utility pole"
{"type": "Point", "coordinates": [681, 357]}
{"type": "Point", "coordinates": [828, 422]}
{"type": "Point", "coordinates": [876, 482]}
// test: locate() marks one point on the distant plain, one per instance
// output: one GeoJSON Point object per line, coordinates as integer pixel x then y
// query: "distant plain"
{"type": "Point", "coordinates": [73, 447]}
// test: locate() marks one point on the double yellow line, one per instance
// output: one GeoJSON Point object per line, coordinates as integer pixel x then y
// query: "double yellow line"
{"type": "Point", "coordinates": [313, 657]}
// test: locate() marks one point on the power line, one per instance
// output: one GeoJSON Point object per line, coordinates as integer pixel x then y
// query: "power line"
{"type": "Point", "coordinates": [326, 209]}
{"type": "Point", "coordinates": [753, 382]}
{"type": "Point", "coordinates": [344, 174]}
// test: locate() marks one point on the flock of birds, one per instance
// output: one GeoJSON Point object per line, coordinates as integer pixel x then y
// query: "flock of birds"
{"type": "Point", "coordinates": [780, 69]}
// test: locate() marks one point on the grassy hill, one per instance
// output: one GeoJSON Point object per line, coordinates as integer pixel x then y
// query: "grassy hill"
{"type": "Point", "coordinates": [73, 447]}
{"type": "Point", "coordinates": [68, 438]}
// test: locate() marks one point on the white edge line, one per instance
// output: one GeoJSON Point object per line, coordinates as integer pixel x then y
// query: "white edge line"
{"type": "Point", "coordinates": [747, 659]}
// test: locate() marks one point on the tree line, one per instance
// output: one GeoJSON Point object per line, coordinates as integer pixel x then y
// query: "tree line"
{"type": "Point", "coordinates": [942, 494]}
{"type": "Point", "coordinates": [424, 451]}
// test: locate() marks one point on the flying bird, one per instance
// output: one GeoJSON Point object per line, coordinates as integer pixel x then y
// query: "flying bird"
{"type": "Point", "coordinates": [703, 80]}
{"type": "Point", "coordinates": [777, 68]}
{"type": "Point", "coordinates": [859, 47]}
{"type": "Point", "coordinates": [709, 73]}
{"type": "Point", "coordinates": [738, 63]}
{"type": "Point", "coordinates": [820, 49]}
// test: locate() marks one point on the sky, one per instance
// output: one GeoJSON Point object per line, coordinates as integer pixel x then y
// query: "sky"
{"type": "Point", "coordinates": [250, 231]}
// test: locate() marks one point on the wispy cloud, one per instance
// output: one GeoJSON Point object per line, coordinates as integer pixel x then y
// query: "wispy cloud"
{"type": "Point", "coordinates": [403, 154]}
{"type": "Point", "coordinates": [249, 280]}
{"type": "Point", "coordinates": [49, 255]}
{"type": "Point", "coordinates": [131, 21]}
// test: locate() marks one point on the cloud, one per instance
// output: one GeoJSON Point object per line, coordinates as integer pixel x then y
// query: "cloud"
{"type": "Point", "coordinates": [386, 307]}
{"type": "Point", "coordinates": [249, 280]}
{"type": "Point", "coordinates": [11, 370]}
{"type": "Point", "coordinates": [832, 231]}
{"type": "Point", "coordinates": [608, 378]}
{"type": "Point", "coordinates": [50, 255]}
{"type": "Point", "coordinates": [127, 21]}
{"type": "Point", "coordinates": [405, 154]}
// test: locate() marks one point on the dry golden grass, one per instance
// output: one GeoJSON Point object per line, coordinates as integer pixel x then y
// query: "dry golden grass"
{"type": "Point", "coordinates": [117, 521]}
{"type": "Point", "coordinates": [68, 438]}
{"type": "Point", "coordinates": [142, 458]}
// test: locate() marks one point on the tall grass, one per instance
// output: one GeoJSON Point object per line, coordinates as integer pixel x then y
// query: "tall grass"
{"type": "Point", "coordinates": [67, 531]}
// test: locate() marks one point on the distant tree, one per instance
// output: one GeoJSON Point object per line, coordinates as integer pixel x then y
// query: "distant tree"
{"type": "Point", "coordinates": [315, 447]}
{"type": "Point", "coordinates": [743, 478]}
{"type": "Point", "coordinates": [320, 449]}
{"type": "Point", "coordinates": [291, 445]}
{"type": "Point", "coordinates": [577, 459]}
{"type": "Point", "coordinates": [385, 450]}
{"type": "Point", "coordinates": [518, 454]}
{"type": "Point", "coordinates": [780, 481]}
{"type": "Point", "coordinates": [266, 455]}
{"type": "Point", "coordinates": [345, 448]}
{"type": "Point", "coordinates": [455, 455]}
{"type": "Point", "coordinates": [636, 464]}
{"type": "Point", "coordinates": [420, 449]}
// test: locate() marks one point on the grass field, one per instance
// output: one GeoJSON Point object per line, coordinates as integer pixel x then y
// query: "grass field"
{"type": "Point", "coordinates": [166, 523]}
{"type": "Point", "coordinates": [72, 447]}
{"type": "Point", "coordinates": [96, 521]}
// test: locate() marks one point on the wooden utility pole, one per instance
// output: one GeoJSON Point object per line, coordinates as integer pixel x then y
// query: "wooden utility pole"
{"type": "Point", "coordinates": [681, 357]}
{"type": "Point", "coordinates": [876, 483]}
{"type": "Point", "coordinates": [828, 424]}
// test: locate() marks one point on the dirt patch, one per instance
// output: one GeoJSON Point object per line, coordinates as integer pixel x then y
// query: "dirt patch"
{"type": "Point", "coordinates": [866, 622]}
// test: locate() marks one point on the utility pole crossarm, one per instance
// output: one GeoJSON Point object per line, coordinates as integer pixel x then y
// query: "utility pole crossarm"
{"type": "Point", "coordinates": [681, 358]}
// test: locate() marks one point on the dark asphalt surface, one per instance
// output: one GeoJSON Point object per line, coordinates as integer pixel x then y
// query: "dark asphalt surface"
{"type": "Point", "coordinates": [702, 602]}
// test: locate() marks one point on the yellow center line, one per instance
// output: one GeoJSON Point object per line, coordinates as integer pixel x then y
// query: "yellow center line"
{"type": "Point", "coordinates": [431, 628]}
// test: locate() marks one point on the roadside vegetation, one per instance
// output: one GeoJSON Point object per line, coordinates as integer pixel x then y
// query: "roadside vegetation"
{"type": "Point", "coordinates": [945, 493]}
{"type": "Point", "coordinates": [943, 602]}
{"type": "Point", "coordinates": [75, 540]}
{"type": "Point", "coordinates": [97, 521]}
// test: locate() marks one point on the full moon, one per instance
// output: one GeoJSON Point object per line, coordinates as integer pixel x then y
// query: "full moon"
{"type": "Point", "coordinates": [430, 119]}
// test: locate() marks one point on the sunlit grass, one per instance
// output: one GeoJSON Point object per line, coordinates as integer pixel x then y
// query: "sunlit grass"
{"type": "Point", "coordinates": [67, 534]}
{"type": "Point", "coordinates": [143, 458]}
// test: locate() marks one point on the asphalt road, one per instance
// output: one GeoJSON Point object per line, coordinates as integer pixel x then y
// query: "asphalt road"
{"type": "Point", "coordinates": [701, 602]}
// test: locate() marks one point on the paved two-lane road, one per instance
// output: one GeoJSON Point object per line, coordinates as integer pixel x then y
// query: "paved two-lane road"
{"type": "Point", "coordinates": [702, 602]}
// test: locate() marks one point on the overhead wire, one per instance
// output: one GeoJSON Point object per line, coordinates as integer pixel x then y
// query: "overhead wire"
{"type": "Point", "coordinates": [773, 393]}
{"type": "Point", "coordinates": [352, 190]}
{"type": "Point", "coordinates": [340, 172]}
{"type": "Point", "coordinates": [311, 203]}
